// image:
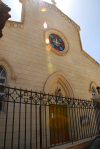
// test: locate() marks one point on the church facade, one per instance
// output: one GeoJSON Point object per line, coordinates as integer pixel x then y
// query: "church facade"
{"type": "Point", "coordinates": [31, 63]}
{"type": "Point", "coordinates": [49, 60]}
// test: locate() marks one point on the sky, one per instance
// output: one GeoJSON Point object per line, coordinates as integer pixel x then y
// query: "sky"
{"type": "Point", "coordinates": [86, 13]}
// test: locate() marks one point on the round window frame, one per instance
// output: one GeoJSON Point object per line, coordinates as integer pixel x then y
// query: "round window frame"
{"type": "Point", "coordinates": [65, 41]}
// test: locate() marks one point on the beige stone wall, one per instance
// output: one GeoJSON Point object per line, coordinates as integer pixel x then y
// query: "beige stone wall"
{"type": "Point", "coordinates": [24, 49]}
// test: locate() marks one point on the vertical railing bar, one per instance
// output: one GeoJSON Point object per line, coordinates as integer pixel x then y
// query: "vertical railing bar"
{"type": "Point", "coordinates": [87, 125]}
{"type": "Point", "coordinates": [66, 127]}
{"type": "Point", "coordinates": [49, 121]}
{"type": "Point", "coordinates": [25, 128]}
{"type": "Point", "coordinates": [57, 120]}
{"type": "Point", "coordinates": [79, 124]}
{"type": "Point", "coordinates": [54, 124]}
{"type": "Point", "coordinates": [36, 122]}
{"type": "Point", "coordinates": [40, 124]}
{"type": "Point", "coordinates": [82, 130]}
{"type": "Point", "coordinates": [98, 119]}
{"type": "Point", "coordinates": [75, 111]}
{"type": "Point", "coordinates": [13, 125]}
{"type": "Point", "coordinates": [91, 109]}
{"type": "Point", "coordinates": [64, 122]}
{"type": "Point", "coordinates": [45, 127]}
{"type": "Point", "coordinates": [67, 139]}
{"type": "Point", "coordinates": [19, 121]}
{"type": "Point", "coordinates": [6, 119]}
{"type": "Point", "coordinates": [93, 121]}
{"type": "Point", "coordinates": [31, 121]}
{"type": "Point", "coordinates": [84, 116]}
{"type": "Point", "coordinates": [73, 124]}
{"type": "Point", "coordinates": [70, 123]}
{"type": "Point", "coordinates": [61, 124]}
{"type": "Point", "coordinates": [89, 121]}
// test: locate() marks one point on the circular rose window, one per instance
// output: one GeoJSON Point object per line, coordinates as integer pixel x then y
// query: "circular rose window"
{"type": "Point", "coordinates": [56, 42]}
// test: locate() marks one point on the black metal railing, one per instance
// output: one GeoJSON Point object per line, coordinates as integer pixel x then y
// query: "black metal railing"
{"type": "Point", "coordinates": [33, 120]}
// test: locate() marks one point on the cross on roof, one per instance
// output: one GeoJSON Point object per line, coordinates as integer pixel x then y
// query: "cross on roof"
{"type": "Point", "coordinates": [53, 2]}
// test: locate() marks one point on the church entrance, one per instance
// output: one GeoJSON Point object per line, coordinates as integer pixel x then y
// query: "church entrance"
{"type": "Point", "coordinates": [58, 124]}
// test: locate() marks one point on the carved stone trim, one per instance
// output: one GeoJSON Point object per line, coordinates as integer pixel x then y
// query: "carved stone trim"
{"type": "Point", "coordinates": [62, 79]}
{"type": "Point", "coordinates": [53, 31]}
{"type": "Point", "coordinates": [93, 84]}
{"type": "Point", "coordinates": [14, 24]}
{"type": "Point", "coordinates": [8, 68]}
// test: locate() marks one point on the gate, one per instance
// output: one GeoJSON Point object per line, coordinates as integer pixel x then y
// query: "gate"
{"type": "Point", "coordinates": [33, 120]}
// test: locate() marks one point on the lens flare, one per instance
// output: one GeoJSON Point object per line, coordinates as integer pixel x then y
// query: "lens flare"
{"type": "Point", "coordinates": [49, 58]}
{"type": "Point", "coordinates": [50, 65]}
{"type": "Point", "coordinates": [48, 120]}
{"type": "Point", "coordinates": [43, 9]}
{"type": "Point", "coordinates": [45, 25]}
{"type": "Point", "coordinates": [47, 41]}
{"type": "Point", "coordinates": [50, 71]}
{"type": "Point", "coordinates": [48, 47]}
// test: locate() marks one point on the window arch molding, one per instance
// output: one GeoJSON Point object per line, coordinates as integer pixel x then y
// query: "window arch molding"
{"type": "Point", "coordinates": [64, 39]}
{"type": "Point", "coordinates": [62, 80]}
{"type": "Point", "coordinates": [93, 87]}
{"type": "Point", "coordinates": [8, 69]}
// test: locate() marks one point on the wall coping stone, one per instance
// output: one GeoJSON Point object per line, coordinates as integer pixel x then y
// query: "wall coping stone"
{"type": "Point", "coordinates": [77, 143]}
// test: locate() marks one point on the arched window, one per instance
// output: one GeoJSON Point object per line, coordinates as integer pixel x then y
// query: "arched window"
{"type": "Point", "coordinates": [93, 91]}
{"type": "Point", "coordinates": [2, 90]}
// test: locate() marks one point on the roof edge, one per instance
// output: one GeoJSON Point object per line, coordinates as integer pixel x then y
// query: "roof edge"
{"type": "Point", "coordinates": [52, 7]}
{"type": "Point", "coordinates": [89, 57]}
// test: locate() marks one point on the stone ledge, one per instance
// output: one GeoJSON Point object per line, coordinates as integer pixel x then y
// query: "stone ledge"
{"type": "Point", "coordinates": [14, 24]}
{"type": "Point", "coordinates": [82, 144]}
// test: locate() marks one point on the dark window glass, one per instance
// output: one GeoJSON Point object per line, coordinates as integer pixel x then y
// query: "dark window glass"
{"type": "Point", "coordinates": [1, 98]}
{"type": "Point", "coordinates": [2, 90]}
{"type": "Point", "coordinates": [0, 106]}
{"type": "Point", "coordinates": [3, 73]}
{"type": "Point", "coordinates": [2, 81]}
{"type": "Point", "coordinates": [93, 91]}
{"type": "Point", "coordinates": [1, 69]}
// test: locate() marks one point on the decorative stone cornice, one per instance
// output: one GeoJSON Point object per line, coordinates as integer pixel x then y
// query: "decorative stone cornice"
{"type": "Point", "coordinates": [90, 58]}
{"type": "Point", "coordinates": [14, 24]}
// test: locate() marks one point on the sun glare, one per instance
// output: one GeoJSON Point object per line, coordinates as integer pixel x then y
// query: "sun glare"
{"type": "Point", "coordinates": [63, 5]}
